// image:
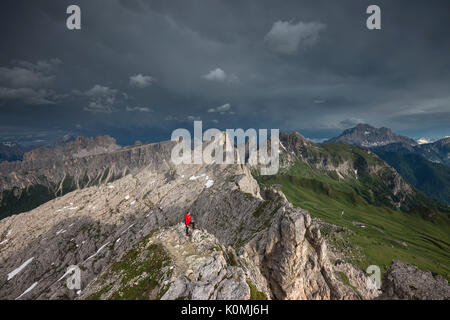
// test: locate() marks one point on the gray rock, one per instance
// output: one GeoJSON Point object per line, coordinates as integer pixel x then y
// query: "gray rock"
{"type": "Point", "coordinates": [406, 282]}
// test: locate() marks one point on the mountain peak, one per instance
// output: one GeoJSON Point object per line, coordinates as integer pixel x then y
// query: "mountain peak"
{"type": "Point", "coordinates": [364, 135]}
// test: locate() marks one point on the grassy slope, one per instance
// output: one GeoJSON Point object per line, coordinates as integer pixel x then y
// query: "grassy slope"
{"type": "Point", "coordinates": [324, 196]}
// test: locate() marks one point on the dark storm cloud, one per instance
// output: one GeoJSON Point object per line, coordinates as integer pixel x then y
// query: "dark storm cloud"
{"type": "Point", "coordinates": [138, 69]}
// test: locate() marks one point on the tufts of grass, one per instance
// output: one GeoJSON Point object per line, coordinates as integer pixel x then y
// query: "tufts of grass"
{"type": "Point", "coordinates": [254, 293]}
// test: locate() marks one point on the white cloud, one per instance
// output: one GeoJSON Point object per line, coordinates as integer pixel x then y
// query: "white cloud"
{"type": "Point", "coordinates": [18, 77]}
{"type": "Point", "coordinates": [102, 99]}
{"type": "Point", "coordinates": [193, 118]}
{"type": "Point", "coordinates": [101, 91]}
{"type": "Point", "coordinates": [43, 66]}
{"type": "Point", "coordinates": [28, 82]}
{"type": "Point", "coordinates": [141, 81]}
{"type": "Point", "coordinates": [350, 122]}
{"type": "Point", "coordinates": [138, 109]}
{"type": "Point", "coordinates": [220, 76]}
{"type": "Point", "coordinates": [221, 109]}
{"type": "Point", "coordinates": [317, 140]}
{"type": "Point", "coordinates": [26, 95]}
{"type": "Point", "coordinates": [286, 37]}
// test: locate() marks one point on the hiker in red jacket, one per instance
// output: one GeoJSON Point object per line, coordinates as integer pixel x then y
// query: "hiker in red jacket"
{"type": "Point", "coordinates": [188, 220]}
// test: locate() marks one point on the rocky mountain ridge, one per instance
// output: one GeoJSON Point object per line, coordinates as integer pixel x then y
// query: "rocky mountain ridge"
{"type": "Point", "coordinates": [347, 162]}
{"type": "Point", "coordinates": [78, 148]}
{"type": "Point", "coordinates": [42, 177]}
{"type": "Point", "coordinates": [279, 250]}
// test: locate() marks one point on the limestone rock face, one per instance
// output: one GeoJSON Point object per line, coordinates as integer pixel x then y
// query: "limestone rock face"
{"type": "Point", "coordinates": [406, 282]}
{"type": "Point", "coordinates": [293, 258]}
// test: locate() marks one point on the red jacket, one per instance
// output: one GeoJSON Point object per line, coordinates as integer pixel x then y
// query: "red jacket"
{"type": "Point", "coordinates": [187, 219]}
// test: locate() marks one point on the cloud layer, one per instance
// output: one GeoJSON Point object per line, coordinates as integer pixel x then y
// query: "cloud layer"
{"type": "Point", "coordinates": [301, 65]}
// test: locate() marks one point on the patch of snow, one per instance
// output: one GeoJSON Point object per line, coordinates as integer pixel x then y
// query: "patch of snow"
{"type": "Point", "coordinates": [4, 241]}
{"type": "Point", "coordinates": [132, 203]}
{"type": "Point", "coordinates": [194, 178]}
{"type": "Point", "coordinates": [127, 197]}
{"type": "Point", "coordinates": [78, 292]}
{"type": "Point", "coordinates": [61, 231]}
{"type": "Point", "coordinates": [98, 251]}
{"type": "Point", "coordinates": [110, 187]}
{"type": "Point", "coordinates": [209, 183]}
{"type": "Point", "coordinates": [182, 176]}
{"type": "Point", "coordinates": [127, 228]}
{"type": "Point", "coordinates": [68, 208]}
{"type": "Point", "coordinates": [69, 270]}
{"type": "Point", "coordinates": [117, 240]}
{"type": "Point", "coordinates": [13, 273]}
{"type": "Point", "coordinates": [423, 141]}
{"type": "Point", "coordinates": [28, 290]}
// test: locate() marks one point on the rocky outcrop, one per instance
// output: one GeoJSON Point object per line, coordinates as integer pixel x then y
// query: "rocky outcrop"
{"type": "Point", "coordinates": [406, 282]}
{"type": "Point", "coordinates": [292, 256]}
{"type": "Point", "coordinates": [169, 265]}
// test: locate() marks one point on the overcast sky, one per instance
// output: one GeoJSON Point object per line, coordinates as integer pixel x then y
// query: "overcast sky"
{"type": "Point", "coordinates": [139, 69]}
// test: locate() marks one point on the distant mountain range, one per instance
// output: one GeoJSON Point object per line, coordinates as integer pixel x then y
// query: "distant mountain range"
{"type": "Point", "coordinates": [437, 152]}
{"type": "Point", "coordinates": [424, 165]}
{"type": "Point", "coordinates": [384, 140]}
